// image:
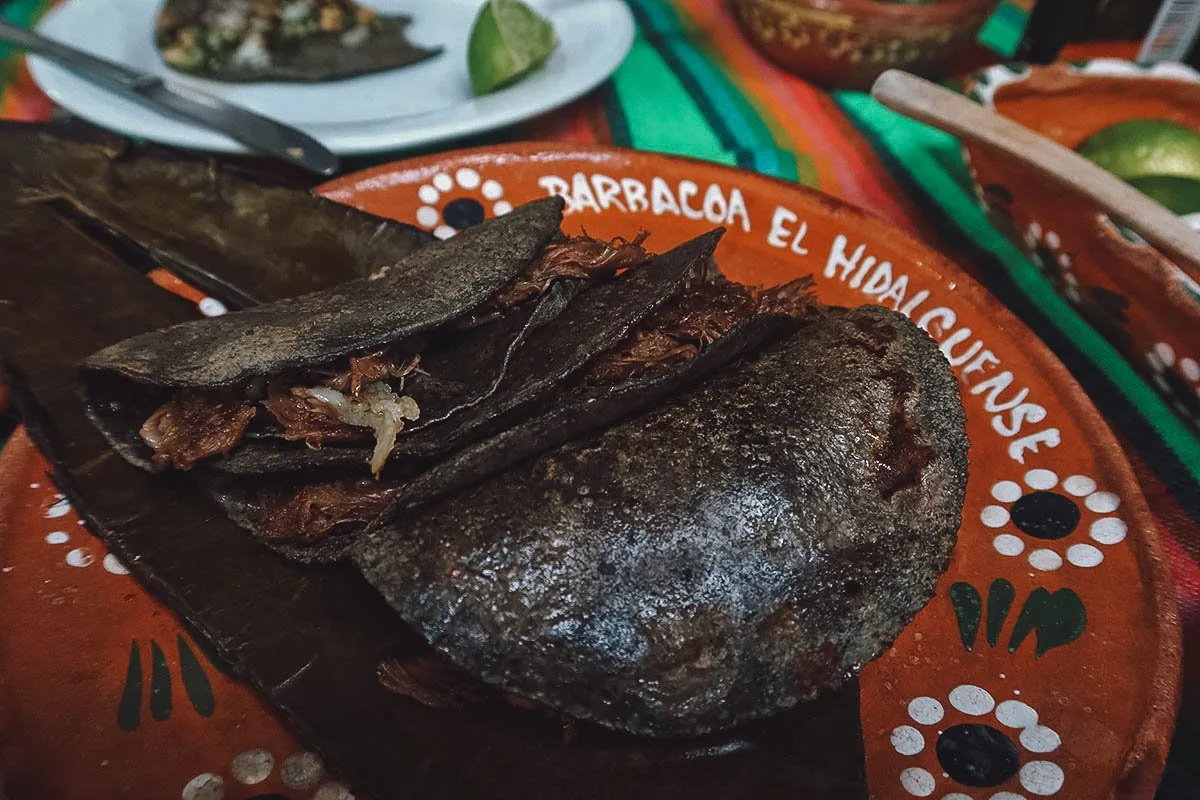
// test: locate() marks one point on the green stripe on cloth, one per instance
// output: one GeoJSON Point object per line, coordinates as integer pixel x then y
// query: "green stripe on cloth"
{"type": "Point", "coordinates": [23, 13]}
{"type": "Point", "coordinates": [659, 112]}
{"type": "Point", "coordinates": [1003, 30]}
{"type": "Point", "coordinates": [928, 155]}
{"type": "Point", "coordinates": [722, 104]}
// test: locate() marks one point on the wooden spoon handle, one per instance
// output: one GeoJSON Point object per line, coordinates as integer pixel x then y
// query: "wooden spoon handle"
{"type": "Point", "coordinates": [925, 101]}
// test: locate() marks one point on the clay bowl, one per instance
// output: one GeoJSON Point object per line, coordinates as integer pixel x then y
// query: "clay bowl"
{"type": "Point", "coordinates": [1145, 305]}
{"type": "Point", "coordinates": [847, 44]}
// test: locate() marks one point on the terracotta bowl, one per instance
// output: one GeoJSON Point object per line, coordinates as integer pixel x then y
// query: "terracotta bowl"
{"type": "Point", "coordinates": [846, 44]}
{"type": "Point", "coordinates": [1146, 306]}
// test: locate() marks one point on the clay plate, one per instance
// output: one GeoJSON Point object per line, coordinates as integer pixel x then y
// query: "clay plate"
{"type": "Point", "coordinates": [1142, 302]}
{"type": "Point", "coordinates": [1046, 666]}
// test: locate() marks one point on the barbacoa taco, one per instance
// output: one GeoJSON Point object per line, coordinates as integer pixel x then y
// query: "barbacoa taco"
{"type": "Point", "coordinates": [283, 40]}
{"type": "Point", "coordinates": [613, 484]}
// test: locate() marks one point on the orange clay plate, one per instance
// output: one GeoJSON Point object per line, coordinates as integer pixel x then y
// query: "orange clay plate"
{"type": "Point", "coordinates": [1144, 304]}
{"type": "Point", "coordinates": [1046, 666]}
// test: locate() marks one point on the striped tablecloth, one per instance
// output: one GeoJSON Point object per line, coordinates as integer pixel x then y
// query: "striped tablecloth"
{"type": "Point", "coordinates": [693, 86]}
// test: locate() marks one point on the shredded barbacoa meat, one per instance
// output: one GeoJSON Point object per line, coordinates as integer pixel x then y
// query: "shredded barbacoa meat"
{"type": "Point", "coordinates": [576, 257]}
{"type": "Point", "coordinates": [306, 419]}
{"type": "Point", "coordinates": [358, 402]}
{"type": "Point", "coordinates": [378, 366]}
{"type": "Point", "coordinates": [309, 513]}
{"type": "Point", "coordinates": [433, 680]}
{"type": "Point", "coordinates": [702, 314]}
{"type": "Point", "coordinates": [195, 425]}
{"type": "Point", "coordinates": [354, 402]}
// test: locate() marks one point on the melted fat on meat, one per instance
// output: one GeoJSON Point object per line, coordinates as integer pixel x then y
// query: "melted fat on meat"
{"type": "Point", "coordinates": [308, 419]}
{"type": "Point", "coordinates": [318, 414]}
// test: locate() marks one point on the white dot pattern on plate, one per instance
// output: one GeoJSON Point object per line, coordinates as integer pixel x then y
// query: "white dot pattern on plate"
{"type": "Point", "coordinates": [1040, 739]}
{"type": "Point", "coordinates": [917, 782]}
{"type": "Point", "coordinates": [1045, 560]}
{"type": "Point", "coordinates": [1084, 555]}
{"type": "Point", "coordinates": [501, 208]}
{"type": "Point", "coordinates": [973, 700]}
{"type": "Point", "coordinates": [926, 711]}
{"type": "Point", "coordinates": [492, 190]}
{"type": "Point", "coordinates": [334, 790]}
{"type": "Point", "coordinates": [60, 509]}
{"type": "Point", "coordinates": [211, 307]}
{"type": "Point", "coordinates": [252, 766]}
{"type": "Point", "coordinates": [1042, 778]}
{"type": "Point", "coordinates": [467, 178]}
{"type": "Point", "coordinates": [1190, 369]}
{"type": "Point", "coordinates": [80, 557]}
{"type": "Point", "coordinates": [1015, 714]}
{"type": "Point", "coordinates": [907, 740]}
{"type": "Point", "coordinates": [1041, 479]}
{"type": "Point", "coordinates": [57, 537]}
{"type": "Point", "coordinates": [1008, 545]}
{"type": "Point", "coordinates": [443, 182]}
{"type": "Point", "coordinates": [428, 194]}
{"type": "Point", "coordinates": [1007, 796]}
{"type": "Point", "coordinates": [956, 796]}
{"type": "Point", "coordinates": [1007, 491]}
{"type": "Point", "coordinates": [205, 786]}
{"type": "Point", "coordinates": [1109, 530]}
{"type": "Point", "coordinates": [427, 216]}
{"type": "Point", "coordinates": [1052, 240]}
{"type": "Point", "coordinates": [1165, 353]}
{"type": "Point", "coordinates": [1079, 485]}
{"type": "Point", "coordinates": [444, 232]}
{"type": "Point", "coordinates": [113, 564]}
{"type": "Point", "coordinates": [1102, 502]}
{"type": "Point", "coordinates": [302, 770]}
{"type": "Point", "coordinates": [994, 516]}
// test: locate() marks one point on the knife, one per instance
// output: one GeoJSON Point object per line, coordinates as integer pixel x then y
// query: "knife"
{"type": "Point", "coordinates": [256, 132]}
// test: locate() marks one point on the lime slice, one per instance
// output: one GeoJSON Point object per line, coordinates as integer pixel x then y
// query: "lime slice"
{"type": "Point", "coordinates": [508, 41]}
{"type": "Point", "coordinates": [1143, 147]}
{"type": "Point", "coordinates": [1180, 195]}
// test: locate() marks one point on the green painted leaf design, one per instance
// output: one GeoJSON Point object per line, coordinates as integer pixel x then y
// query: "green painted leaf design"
{"type": "Point", "coordinates": [968, 609]}
{"type": "Point", "coordinates": [195, 682]}
{"type": "Point", "coordinates": [129, 712]}
{"type": "Point", "coordinates": [1058, 619]}
{"type": "Point", "coordinates": [1000, 600]}
{"type": "Point", "coordinates": [160, 684]}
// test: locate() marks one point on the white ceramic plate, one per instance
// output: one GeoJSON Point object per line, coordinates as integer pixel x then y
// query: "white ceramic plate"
{"type": "Point", "coordinates": [420, 104]}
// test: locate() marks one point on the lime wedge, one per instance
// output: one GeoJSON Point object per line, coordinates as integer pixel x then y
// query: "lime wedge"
{"type": "Point", "coordinates": [508, 41]}
{"type": "Point", "coordinates": [1139, 148]}
{"type": "Point", "coordinates": [1180, 195]}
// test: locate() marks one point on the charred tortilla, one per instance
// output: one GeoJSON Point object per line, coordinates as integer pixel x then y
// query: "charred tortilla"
{"type": "Point", "coordinates": [736, 550]}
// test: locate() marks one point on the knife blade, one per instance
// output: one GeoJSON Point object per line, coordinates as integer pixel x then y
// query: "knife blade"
{"type": "Point", "coordinates": [258, 133]}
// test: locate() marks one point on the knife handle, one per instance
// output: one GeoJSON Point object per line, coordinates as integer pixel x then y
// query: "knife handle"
{"type": "Point", "coordinates": [69, 57]}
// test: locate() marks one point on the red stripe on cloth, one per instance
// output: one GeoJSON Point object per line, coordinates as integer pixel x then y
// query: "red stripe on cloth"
{"type": "Point", "coordinates": [23, 100]}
